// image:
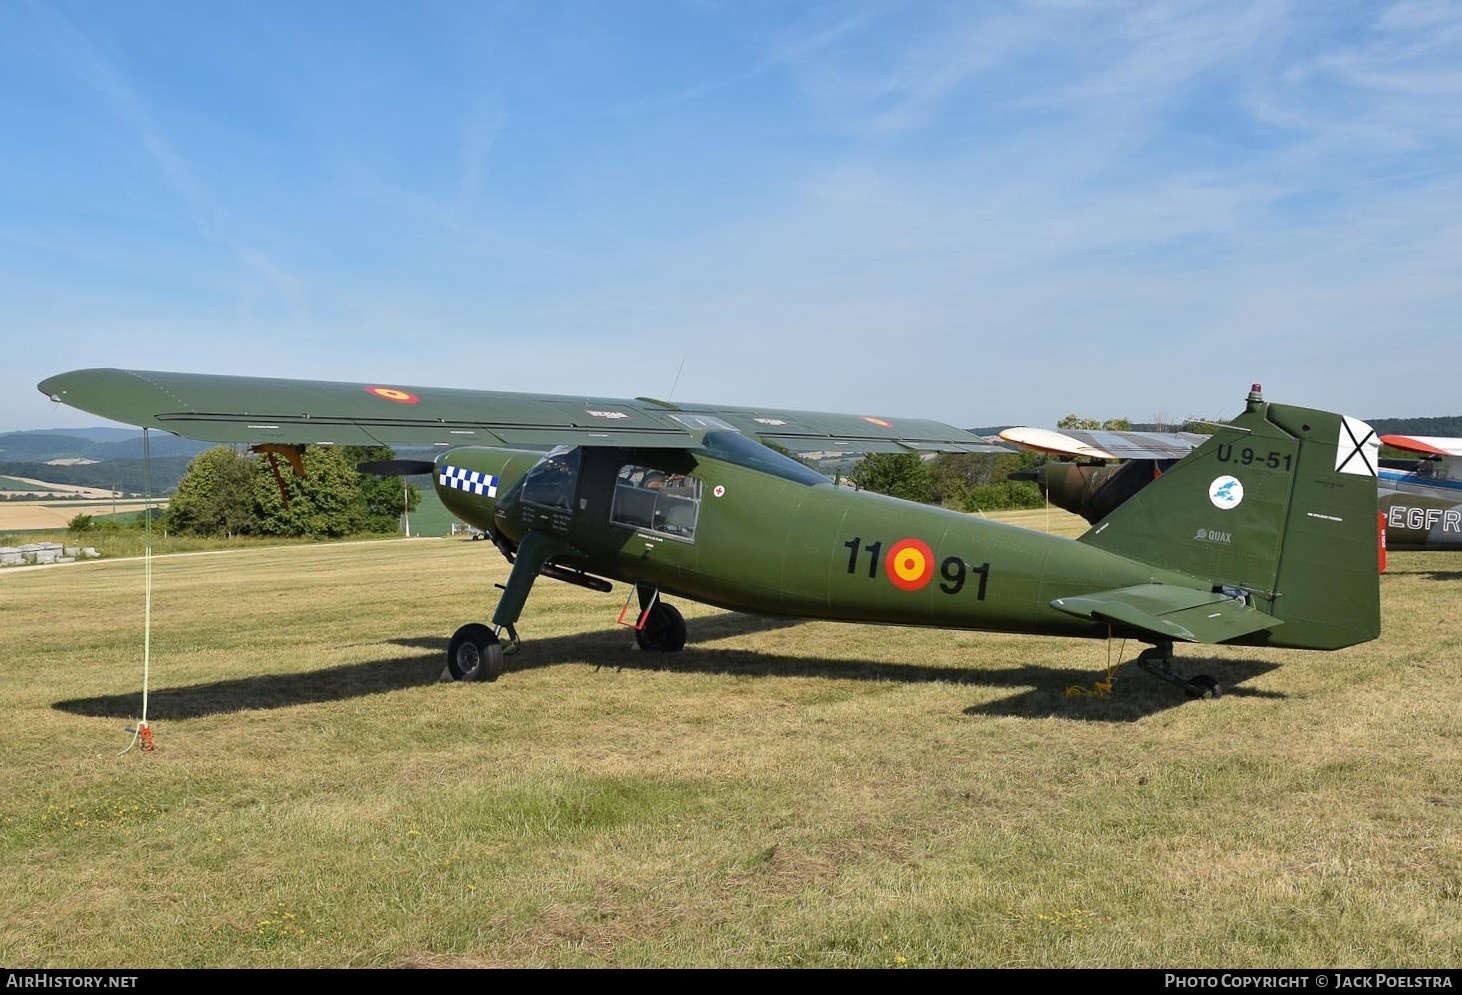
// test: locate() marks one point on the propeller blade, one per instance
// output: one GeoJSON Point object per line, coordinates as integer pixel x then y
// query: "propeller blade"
{"type": "Point", "coordinates": [396, 467]}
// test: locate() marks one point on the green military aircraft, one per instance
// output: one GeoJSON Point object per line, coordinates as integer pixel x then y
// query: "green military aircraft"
{"type": "Point", "coordinates": [1419, 499]}
{"type": "Point", "coordinates": [1265, 535]}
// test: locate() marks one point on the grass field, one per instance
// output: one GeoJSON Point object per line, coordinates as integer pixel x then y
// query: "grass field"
{"type": "Point", "coordinates": [431, 518]}
{"type": "Point", "coordinates": [781, 794]}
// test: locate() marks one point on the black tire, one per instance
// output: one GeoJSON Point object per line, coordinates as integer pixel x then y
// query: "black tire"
{"type": "Point", "coordinates": [474, 654]}
{"type": "Point", "coordinates": [664, 630]}
{"type": "Point", "coordinates": [1204, 686]}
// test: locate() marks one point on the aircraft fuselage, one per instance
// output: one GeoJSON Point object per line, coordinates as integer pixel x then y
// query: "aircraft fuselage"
{"type": "Point", "coordinates": [794, 544]}
{"type": "Point", "coordinates": [1422, 506]}
{"type": "Point", "coordinates": [1420, 502]}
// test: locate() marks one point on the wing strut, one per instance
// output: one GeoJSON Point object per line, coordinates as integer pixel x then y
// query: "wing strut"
{"type": "Point", "coordinates": [290, 452]}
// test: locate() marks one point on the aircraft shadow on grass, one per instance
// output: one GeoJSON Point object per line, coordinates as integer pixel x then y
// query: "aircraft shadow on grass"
{"type": "Point", "coordinates": [1045, 694]}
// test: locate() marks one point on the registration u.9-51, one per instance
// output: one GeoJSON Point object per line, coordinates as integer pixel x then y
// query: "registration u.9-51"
{"type": "Point", "coordinates": [1248, 456]}
{"type": "Point", "coordinates": [909, 565]}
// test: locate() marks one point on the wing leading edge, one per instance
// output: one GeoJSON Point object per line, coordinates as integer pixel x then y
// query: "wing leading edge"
{"type": "Point", "coordinates": [219, 408]}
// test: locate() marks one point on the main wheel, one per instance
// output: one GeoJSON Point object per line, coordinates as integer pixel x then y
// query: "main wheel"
{"type": "Point", "coordinates": [1204, 686]}
{"type": "Point", "coordinates": [663, 631]}
{"type": "Point", "coordinates": [475, 654]}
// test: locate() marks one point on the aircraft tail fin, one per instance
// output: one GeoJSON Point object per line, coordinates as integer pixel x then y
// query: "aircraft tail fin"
{"type": "Point", "coordinates": [1280, 506]}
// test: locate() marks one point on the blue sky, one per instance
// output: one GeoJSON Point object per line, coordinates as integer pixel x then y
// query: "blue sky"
{"type": "Point", "coordinates": [981, 212]}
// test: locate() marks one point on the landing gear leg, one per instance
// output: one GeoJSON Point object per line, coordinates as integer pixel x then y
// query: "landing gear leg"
{"type": "Point", "coordinates": [664, 628]}
{"type": "Point", "coordinates": [476, 651]}
{"type": "Point", "coordinates": [1157, 661]}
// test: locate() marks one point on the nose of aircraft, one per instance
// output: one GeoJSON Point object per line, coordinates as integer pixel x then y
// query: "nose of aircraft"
{"type": "Point", "coordinates": [470, 480]}
{"type": "Point", "coordinates": [1063, 483]}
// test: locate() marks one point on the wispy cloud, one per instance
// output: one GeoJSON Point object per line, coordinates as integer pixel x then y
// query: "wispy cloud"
{"type": "Point", "coordinates": [985, 213]}
{"type": "Point", "coordinates": [129, 107]}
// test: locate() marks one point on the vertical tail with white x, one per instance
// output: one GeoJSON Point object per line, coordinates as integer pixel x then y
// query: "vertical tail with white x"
{"type": "Point", "coordinates": [1280, 506]}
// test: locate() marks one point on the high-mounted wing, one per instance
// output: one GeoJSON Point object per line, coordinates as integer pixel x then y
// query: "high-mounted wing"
{"type": "Point", "coordinates": [818, 431]}
{"type": "Point", "coordinates": [216, 408]}
{"type": "Point", "coordinates": [1108, 444]}
{"type": "Point", "coordinates": [1432, 445]}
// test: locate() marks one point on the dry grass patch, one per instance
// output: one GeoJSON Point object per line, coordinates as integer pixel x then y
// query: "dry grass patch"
{"type": "Point", "coordinates": [780, 794]}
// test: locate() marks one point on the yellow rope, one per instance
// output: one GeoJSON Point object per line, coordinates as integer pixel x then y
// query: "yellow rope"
{"type": "Point", "coordinates": [1100, 688]}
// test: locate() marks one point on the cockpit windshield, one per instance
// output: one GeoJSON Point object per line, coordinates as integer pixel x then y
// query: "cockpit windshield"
{"type": "Point", "coordinates": [553, 480]}
{"type": "Point", "coordinates": [735, 448]}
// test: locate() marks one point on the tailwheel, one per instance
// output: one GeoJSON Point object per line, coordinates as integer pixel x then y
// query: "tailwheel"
{"type": "Point", "coordinates": [474, 654]}
{"type": "Point", "coordinates": [663, 631]}
{"type": "Point", "coordinates": [1204, 686]}
{"type": "Point", "coordinates": [1157, 661]}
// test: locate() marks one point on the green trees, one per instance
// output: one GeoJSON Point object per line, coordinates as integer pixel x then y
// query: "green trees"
{"type": "Point", "coordinates": [963, 481]}
{"type": "Point", "coordinates": [1089, 424]}
{"type": "Point", "coordinates": [226, 493]}
{"type": "Point", "coordinates": [901, 475]}
{"type": "Point", "coordinates": [325, 503]}
{"type": "Point", "coordinates": [385, 498]}
{"type": "Point", "coordinates": [214, 496]}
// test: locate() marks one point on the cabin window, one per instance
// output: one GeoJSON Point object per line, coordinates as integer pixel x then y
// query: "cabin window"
{"type": "Point", "coordinates": [656, 501]}
{"type": "Point", "coordinates": [553, 479]}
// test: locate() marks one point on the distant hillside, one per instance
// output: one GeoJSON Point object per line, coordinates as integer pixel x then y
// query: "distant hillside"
{"type": "Point", "coordinates": [102, 434]}
{"type": "Point", "coordinates": [43, 446]}
{"type": "Point", "coordinates": [91, 443]}
{"type": "Point", "coordinates": [126, 475]}
{"type": "Point", "coordinates": [98, 434]}
{"type": "Point", "coordinates": [1449, 427]}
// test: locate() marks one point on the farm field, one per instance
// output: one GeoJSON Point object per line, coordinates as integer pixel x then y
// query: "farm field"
{"type": "Point", "coordinates": [30, 485]}
{"type": "Point", "coordinates": [430, 519]}
{"type": "Point", "coordinates": [780, 794]}
{"type": "Point", "coordinates": [29, 516]}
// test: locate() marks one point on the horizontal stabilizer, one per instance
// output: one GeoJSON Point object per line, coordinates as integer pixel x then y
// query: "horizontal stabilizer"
{"type": "Point", "coordinates": [1170, 612]}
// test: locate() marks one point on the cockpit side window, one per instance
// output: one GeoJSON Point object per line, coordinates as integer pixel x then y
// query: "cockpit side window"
{"type": "Point", "coordinates": [656, 501]}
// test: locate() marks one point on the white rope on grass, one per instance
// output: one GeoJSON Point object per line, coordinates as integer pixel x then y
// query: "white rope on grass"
{"type": "Point", "coordinates": [143, 731]}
